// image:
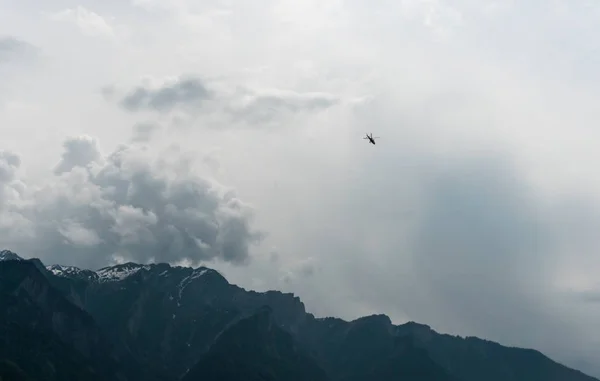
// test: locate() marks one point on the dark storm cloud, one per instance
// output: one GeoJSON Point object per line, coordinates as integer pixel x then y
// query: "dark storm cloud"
{"type": "Point", "coordinates": [129, 206]}
{"type": "Point", "coordinates": [185, 92]}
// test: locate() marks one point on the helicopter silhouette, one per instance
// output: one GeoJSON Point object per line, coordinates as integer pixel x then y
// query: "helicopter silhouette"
{"type": "Point", "coordinates": [371, 138]}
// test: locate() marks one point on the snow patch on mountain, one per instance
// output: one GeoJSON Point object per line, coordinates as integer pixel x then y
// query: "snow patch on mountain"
{"type": "Point", "coordinates": [7, 255]}
{"type": "Point", "coordinates": [60, 270]}
{"type": "Point", "coordinates": [119, 272]}
{"type": "Point", "coordinates": [72, 272]}
{"type": "Point", "coordinates": [197, 273]}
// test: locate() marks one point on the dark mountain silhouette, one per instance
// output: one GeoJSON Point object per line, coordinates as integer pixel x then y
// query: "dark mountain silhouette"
{"type": "Point", "coordinates": [46, 337]}
{"type": "Point", "coordinates": [150, 322]}
{"type": "Point", "coordinates": [255, 348]}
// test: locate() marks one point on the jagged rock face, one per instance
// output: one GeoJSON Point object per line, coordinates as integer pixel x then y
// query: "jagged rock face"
{"type": "Point", "coordinates": [173, 322]}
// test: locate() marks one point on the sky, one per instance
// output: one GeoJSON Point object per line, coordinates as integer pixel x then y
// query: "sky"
{"type": "Point", "coordinates": [229, 134]}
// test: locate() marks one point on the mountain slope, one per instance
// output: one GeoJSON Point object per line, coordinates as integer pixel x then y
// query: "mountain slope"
{"type": "Point", "coordinates": [48, 337]}
{"type": "Point", "coordinates": [169, 316]}
{"type": "Point", "coordinates": [472, 358]}
{"type": "Point", "coordinates": [368, 349]}
{"type": "Point", "coordinates": [254, 349]}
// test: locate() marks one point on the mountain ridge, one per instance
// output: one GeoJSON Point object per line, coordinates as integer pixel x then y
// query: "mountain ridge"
{"type": "Point", "coordinates": [169, 317]}
{"type": "Point", "coordinates": [37, 316]}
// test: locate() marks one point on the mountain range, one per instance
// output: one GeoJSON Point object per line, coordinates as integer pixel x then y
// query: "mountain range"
{"type": "Point", "coordinates": [159, 322]}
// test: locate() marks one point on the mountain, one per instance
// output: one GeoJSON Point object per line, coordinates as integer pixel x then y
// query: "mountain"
{"type": "Point", "coordinates": [253, 349]}
{"type": "Point", "coordinates": [148, 322]}
{"type": "Point", "coordinates": [7, 255]}
{"type": "Point", "coordinates": [48, 337]}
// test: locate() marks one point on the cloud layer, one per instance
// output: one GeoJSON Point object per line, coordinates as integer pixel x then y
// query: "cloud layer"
{"type": "Point", "coordinates": [189, 91]}
{"type": "Point", "coordinates": [190, 96]}
{"type": "Point", "coordinates": [123, 206]}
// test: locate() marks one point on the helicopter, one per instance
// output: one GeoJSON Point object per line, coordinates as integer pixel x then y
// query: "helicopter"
{"type": "Point", "coordinates": [371, 138]}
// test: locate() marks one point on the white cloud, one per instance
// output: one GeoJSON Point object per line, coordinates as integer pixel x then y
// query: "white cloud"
{"type": "Point", "coordinates": [89, 22]}
{"type": "Point", "coordinates": [303, 268]}
{"type": "Point", "coordinates": [184, 99]}
{"type": "Point", "coordinates": [78, 235]}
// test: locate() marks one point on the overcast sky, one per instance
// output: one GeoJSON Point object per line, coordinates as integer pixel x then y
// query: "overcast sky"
{"type": "Point", "coordinates": [229, 133]}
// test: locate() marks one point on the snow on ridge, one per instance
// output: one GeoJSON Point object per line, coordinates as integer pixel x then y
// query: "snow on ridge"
{"type": "Point", "coordinates": [196, 273]}
{"type": "Point", "coordinates": [106, 274]}
{"type": "Point", "coordinates": [182, 285]}
{"type": "Point", "coordinates": [60, 270]}
{"type": "Point", "coordinates": [7, 255]}
{"type": "Point", "coordinates": [72, 272]}
{"type": "Point", "coordinates": [119, 272]}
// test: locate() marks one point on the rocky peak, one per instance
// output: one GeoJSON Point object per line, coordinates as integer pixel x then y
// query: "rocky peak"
{"type": "Point", "coordinates": [421, 332]}
{"type": "Point", "coordinates": [72, 272]}
{"type": "Point", "coordinates": [7, 255]}
{"type": "Point", "coordinates": [119, 272]}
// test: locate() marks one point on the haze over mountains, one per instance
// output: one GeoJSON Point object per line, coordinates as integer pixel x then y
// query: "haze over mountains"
{"type": "Point", "coordinates": [160, 322]}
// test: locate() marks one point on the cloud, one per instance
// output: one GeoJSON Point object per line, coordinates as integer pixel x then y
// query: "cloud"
{"type": "Point", "coordinates": [240, 104]}
{"type": "Point", "coordinates": [302, 269]}
{"type": "Point", "coordinates": [180, 93]}
{"type": "Point", "coordinates": [262, 106]}
{"type": "Point", "coordinates": [143, 132]}
{"type": "Point", "coordinates": [108, 92]}
{"type": "Point", "coordinates": [78, 152]}
{"type": "Point", "coordinates": [78, 235]}
{"type": "Point", "coordinates": [124, 205]}
{"type": "Point", "coordinates": [592, 296]}
{"type": "Point", "coordinates": [9, 164]}
{"type": "Point", "coordinates": [12, 48]}
{"type": "Point", "coordinates": [434, 15]}
{"type": "Point", "coordinates": [89, 22]}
